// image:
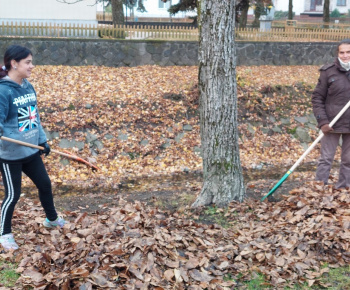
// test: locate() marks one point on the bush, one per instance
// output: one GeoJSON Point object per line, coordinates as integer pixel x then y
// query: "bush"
{"type": "Point", "coordinates": [281, 15]}
{"type": "Point", "coordinates": [335, 13]}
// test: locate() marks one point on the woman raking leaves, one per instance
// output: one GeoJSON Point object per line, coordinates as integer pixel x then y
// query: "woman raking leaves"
{"type": "Point", "coordinates": [19, 119]}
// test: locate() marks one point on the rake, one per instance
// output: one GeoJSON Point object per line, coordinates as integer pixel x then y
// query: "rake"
{"type": "Point", "coordinates": [296, 164]}
{"type": "Point", "coordinates": [65, 154]}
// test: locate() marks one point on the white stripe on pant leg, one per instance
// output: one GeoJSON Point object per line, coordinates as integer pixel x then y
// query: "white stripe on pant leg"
{"type": "Point", "coordinates": [10, 196]}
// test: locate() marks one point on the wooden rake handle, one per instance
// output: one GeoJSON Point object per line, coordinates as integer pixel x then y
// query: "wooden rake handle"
{"type": "Point", "coordinates": [67, 154]}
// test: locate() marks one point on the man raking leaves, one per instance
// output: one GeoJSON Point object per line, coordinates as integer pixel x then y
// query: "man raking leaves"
{"type": "Point", "coordinates": [329, 97]}
{"type": "Point", "coordinates": [331, 102]}
{"type": "Point", "coordinates": [19, 119]}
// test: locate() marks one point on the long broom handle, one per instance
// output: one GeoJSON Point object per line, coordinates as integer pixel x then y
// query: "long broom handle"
{"type": "Point", "coordinates": [306, 152]}
{"type": "Point", "coordinates": [71, 156]}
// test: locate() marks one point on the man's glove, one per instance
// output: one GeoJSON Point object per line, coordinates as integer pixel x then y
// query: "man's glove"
{"type": "Point", "coordinates": [46, 150]}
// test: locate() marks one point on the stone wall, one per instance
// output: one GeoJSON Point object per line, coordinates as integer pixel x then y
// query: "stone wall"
{"type": "Point", "coordinates": [112, 53]}
{"type": "Point", "coordinates": [285, 53]}
{"type": "Point", "coordinates": [108, 52]}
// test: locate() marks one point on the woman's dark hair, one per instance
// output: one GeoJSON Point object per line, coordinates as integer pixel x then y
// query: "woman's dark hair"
{"type": "Point", "coordinates": [344, 41]}
{"type": "Point", "coordinates": [15, 52]}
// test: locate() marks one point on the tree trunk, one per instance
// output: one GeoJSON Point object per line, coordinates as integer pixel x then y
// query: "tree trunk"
{"type": "Point", "coordinates": [326, 13]}
{"type": "Point", "coordinates": [222, 171]}
{"type": "Point", "coordinates": [117, 12]}
{"type": "Point", "coordinates": [244, 14]}
{"type": "Point", "coordinates": [257, 13]}
{"type": "Point", "coordinates": [290, 10]}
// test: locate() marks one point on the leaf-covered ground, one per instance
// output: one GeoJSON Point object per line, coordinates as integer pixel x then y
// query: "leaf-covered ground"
{"type": "Point", "coordinates": [113, 242]}
{"type": "Point", "coordinates": [155, 103]}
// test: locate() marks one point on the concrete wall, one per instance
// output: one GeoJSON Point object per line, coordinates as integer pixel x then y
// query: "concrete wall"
{"type": "Point", "coordinates": [80, 52]}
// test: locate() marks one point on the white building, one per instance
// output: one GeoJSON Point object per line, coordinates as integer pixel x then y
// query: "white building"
{"type": "Point", "coordinates": [82, 12]}
{"type": "Point", "coordinates": [312, 7]}
{"type": "Point", "coordinates": [39, 11]}
{"type": "Point", "coordinates": [282, 5]}
{"type": "Point", "coordinates": [155, 9]}
{"type": "Point", "coordinates": [317, 5]}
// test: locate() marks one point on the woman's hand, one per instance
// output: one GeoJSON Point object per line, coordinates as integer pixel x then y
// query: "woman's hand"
{"type": "Point", "coordinates": [46, 150]}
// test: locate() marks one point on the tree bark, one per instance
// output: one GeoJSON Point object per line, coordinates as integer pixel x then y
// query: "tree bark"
{"type": "Point", "coordinates": [259, 4]}
{"type": "Point", "coordinates": [117, 12]}
{"type": "Point", "coordinates": [244, 13]}
{"type": "Point", "coordinates": [290, 10]}
{"type": "Point", "coordinates": [326, 13]}
{"type": "Point", "coordinates": [222, 171]}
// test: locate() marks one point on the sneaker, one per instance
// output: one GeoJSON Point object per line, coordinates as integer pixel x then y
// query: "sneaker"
{"type": "Point", "coordinates": [59, 222]}
{"type": "Point", "coordinates": [8, 242]}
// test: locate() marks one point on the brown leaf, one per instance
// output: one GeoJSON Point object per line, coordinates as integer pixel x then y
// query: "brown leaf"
{"type": "Point", "coordinates": [137, 273]}
{"type": "Point", "coordinates": [191, 263]}
{"type": "Point", "coordinates": [280, 261]}
{"type": "Point", "coordinates": [98, 279]}
{"type": "Point", "coordinates": [80, 272]}
{"type": "Point", "coordinates": [169, 274]}
{"type": "Point", "coordinates": [200, 276]}
{"type": "Point", "coordinates": [172, 264]}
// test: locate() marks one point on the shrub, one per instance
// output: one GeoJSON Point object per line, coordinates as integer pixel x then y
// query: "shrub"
{"type": "Point", "coordinates": [281, 14]}
{"type": "Point", "coordinates": [335, 13]}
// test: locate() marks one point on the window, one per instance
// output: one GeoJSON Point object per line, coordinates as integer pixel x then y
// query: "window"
{"type": "Point", "coordinates": [341, 2]}
{"type": "Point", "coordinates": [318, 2]}
{"type": "Point", "coordinates": [164, 5]}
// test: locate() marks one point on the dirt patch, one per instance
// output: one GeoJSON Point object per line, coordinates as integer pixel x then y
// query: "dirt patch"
{"type": "Point", "coordinates": [171, 193]}
{"type": "Point", "coordinates": [167, 192]}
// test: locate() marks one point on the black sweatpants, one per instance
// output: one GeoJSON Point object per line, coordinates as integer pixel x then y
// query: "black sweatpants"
{"type": "Point", "coordinates": [11, 173]}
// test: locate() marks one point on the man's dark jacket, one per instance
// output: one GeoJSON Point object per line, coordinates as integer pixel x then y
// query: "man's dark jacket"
{"type": "Point", "coordinates": [331, 94]}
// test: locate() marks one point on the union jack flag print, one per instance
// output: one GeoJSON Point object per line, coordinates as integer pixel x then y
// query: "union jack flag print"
{"type": "Point", "coordinates": [27, 118]}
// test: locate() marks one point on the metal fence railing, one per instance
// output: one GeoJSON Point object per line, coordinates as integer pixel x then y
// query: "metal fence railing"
{"type": "Point", "coordinates": [183, 33]}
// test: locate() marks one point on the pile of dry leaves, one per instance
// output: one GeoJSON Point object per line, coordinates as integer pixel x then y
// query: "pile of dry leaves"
{"type": "Point", "coordinates": [134, 246]}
